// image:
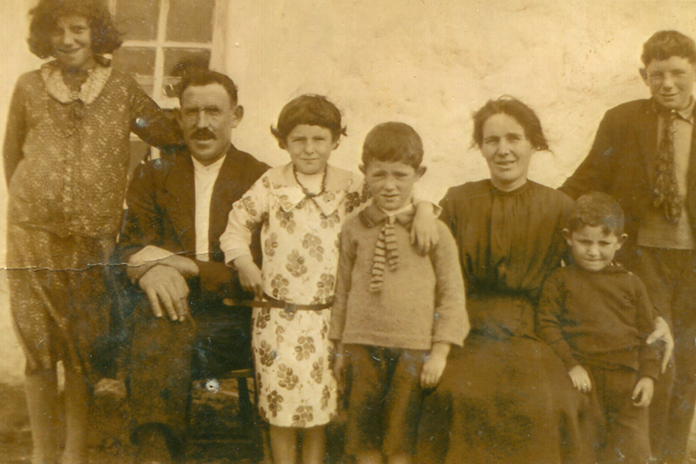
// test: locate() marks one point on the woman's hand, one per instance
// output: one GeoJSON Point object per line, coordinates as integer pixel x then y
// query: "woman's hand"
{"type": "Point", "coordinates": [581, 379]}
{"type": "Point", "coordinates": [663, 333]}
{"type": "Point", "coordinates": [435, 365]}
{"type": "Point", "coordinates": [424, 230]}
{"type": "Point", "coordinates": [643, 392]}
{"type": "Point", "coordinates": [249, 275]}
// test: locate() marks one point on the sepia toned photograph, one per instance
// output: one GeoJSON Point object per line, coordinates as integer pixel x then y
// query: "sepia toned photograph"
{"type": "Point", "coordinates": [309, 231]}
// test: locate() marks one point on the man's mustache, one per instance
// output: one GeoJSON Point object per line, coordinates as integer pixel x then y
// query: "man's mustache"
{"type": "Point", "coordinates": [203, 133]}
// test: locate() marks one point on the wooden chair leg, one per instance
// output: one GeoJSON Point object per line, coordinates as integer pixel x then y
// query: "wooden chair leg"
{"type": "Point", "coordinates": [245, 406]}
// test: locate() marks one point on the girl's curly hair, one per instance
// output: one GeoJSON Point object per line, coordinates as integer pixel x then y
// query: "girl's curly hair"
{"type": "Point", "coordinates": [105, 37]}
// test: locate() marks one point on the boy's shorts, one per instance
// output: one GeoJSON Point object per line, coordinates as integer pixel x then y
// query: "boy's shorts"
{"type": "Point", "coordinates": [385, 399]}
{"type": "Point", "coordinates": [623, 428]}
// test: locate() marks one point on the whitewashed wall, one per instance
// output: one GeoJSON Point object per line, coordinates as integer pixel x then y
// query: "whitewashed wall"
{"type": "Point", "coordinates": [428, 63]}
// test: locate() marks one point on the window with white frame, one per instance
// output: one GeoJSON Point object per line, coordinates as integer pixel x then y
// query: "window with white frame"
{"type": "Point", "coordinates": [159, 36]}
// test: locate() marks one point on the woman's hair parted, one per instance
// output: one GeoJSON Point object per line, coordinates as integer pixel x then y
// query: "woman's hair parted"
{"type": "Point", "coordinates": [524, 115]}
{"type": "Point", "coordinates": [311, 110]}
{"type": "Point", "coordinates": [105, 37]}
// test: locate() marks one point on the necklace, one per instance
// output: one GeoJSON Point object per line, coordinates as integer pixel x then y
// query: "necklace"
{"type": "Point", "coordinates": [306, 192]}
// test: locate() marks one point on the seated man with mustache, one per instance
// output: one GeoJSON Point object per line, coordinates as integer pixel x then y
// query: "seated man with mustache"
{"type": "Point", "coordinates": [177, 210]}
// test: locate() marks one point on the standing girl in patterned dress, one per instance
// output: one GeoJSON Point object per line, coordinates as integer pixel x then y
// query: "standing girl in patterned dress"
{"type": "Point", "coordinates": [300, 207]}
{"type": "Point", "coordinates": [66, 159]}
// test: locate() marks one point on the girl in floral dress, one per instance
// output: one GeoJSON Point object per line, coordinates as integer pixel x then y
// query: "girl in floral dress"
{"type": "Point", "coordinates": [66, 158]}
{"type": "Point", "coordinates": [300, 207]}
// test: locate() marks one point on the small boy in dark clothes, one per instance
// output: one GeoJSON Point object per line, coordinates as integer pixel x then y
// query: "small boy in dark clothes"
{"type": "Point", "coordinates": [396, 311]}
{"type": "Point", "coordinates": [596, 316]}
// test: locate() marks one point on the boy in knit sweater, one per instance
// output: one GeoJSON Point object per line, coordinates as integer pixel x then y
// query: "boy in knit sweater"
{"type": "Point", "coordinates": [596, 316]}
{"type": "Point", "coordinates": [396, 312]}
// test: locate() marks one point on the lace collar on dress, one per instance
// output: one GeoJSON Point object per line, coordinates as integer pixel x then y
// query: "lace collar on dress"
{"type": "Point", "coordinates": [90, 90]}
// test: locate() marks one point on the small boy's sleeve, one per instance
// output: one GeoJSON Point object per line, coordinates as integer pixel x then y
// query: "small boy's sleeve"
{"type": "Point", "coordinates": [346, 261]}
{"type": "Point", "coordinates": [246, 215]}
{"type": "Point", "coordinates": [548, 319]}
{"type": "Point", "coordinates": [648, 355]}
{"type": "Point", "coordinates": [451, 319]}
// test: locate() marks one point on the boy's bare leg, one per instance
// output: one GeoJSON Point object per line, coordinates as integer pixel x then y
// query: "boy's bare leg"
{"type": "Point", "coordinates": [400, 459]}
{"type": "Point", "coordinates": [76, 418]}
{"type": "Point", "coordinates": [313, 445]}
{"type": "Point", "coordinates": [283, 444]}
{"type": "Point", "coordinates": [42, 392]}
{"type": "Point", "coordinates": [369, 457]}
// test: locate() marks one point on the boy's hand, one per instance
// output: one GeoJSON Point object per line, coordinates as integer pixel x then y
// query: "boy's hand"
{"type": "Point", "coordinates": [249, 275]}
{"type": "Point", "coordinates": [580, 378]}
{"type": "Point", "coordinates": [434, 366]}
{"type": "Point", "coordinates": [424, 229]}
{"type": "Point", "coordinates": [662, 332]}
{"type": "Point", "coordinates": [643, 392]}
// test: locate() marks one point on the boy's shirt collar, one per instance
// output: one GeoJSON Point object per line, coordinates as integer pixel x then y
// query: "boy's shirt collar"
{"type": "Point", "coordinates": [686, 114]}
{"type": "Point", "coordinates": [373, 215]}
{"type": "Point", "coordinates": [613, 268]}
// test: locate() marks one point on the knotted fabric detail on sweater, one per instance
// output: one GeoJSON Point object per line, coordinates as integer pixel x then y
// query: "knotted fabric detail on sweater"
{"type": "Point", "coordinates": [386, 255]}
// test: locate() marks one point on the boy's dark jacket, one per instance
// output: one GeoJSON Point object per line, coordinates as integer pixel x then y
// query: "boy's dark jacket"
{"type": "Point", "coordinates": [620, 163]}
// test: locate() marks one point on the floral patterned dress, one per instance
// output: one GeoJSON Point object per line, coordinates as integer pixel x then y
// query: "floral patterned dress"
{"type": "Point", "coordinates": [292, 351]}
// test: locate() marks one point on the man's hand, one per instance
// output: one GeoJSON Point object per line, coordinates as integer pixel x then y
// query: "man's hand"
{"type": "Point", "coordinates": [580, 378]}
{"type": "Point", "coordinates": [424, 229]}
{"type": "Point", "coordinates": [150, 256]}
{"type": "Point", "coordinates": [186, 266]}
{"type": "Point", "coordinates": [643, 392]}
{"type": "Point", "coordinates": [434, 366]}
{"type": "Point", "coordinates": [663, 333]}
{"type": "Point", "coordinates": [165, 286]}
{"type": "Point", "coordinates": [249, 275]}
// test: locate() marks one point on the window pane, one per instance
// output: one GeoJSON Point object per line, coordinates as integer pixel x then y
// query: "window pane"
{"type": "Point", "coordinates": [176, 58]}
{"type": "Point", "coordinates": [138, 62]}
{"type": "Point", "coordinates": [190, 21]}
{"type": "Point", "coordinates": [137, 19]}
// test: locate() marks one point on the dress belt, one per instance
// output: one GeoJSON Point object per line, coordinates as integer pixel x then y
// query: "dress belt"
{"type": "Point", "coordinates": [270, 302]}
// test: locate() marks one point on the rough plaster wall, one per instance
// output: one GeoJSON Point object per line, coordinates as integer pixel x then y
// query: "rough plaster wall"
{"type": "Point", "coordinates": [15, 59]}
{"type": "Point", "coordinates": [430, 64]}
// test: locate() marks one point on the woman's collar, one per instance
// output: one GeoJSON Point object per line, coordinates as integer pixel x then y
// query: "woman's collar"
{"type": "Point", "coordinates": [55, 86]}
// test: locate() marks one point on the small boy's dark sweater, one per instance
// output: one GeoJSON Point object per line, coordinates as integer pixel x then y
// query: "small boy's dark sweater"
{"type": "Point", "coordinates": [598, 317]}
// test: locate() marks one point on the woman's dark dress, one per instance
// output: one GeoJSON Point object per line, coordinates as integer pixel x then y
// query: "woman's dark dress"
{"type": "Point", "coordinates": [505, 397]}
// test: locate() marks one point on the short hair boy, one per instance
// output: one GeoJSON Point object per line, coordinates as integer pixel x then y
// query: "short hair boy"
{"type": "Point", "coordinates": [396, 311]}
{"type": "Point", "coordinates": [596, 316]}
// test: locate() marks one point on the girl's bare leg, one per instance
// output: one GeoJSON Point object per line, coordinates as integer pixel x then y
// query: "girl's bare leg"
{"type": "Point", "coordinates": [283, 444]}
{"type": "Point", "coordinates": [313, 445]}
{"type": "Point", "coordinates": [76, 418]}
{"type": "Point", "coordinates": [42, 393]}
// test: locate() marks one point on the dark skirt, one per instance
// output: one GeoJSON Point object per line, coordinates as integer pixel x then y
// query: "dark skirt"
{"type": "Point", "coordinates": [60, 298]}
{"type": "Point", "coordinates": [504, 401]}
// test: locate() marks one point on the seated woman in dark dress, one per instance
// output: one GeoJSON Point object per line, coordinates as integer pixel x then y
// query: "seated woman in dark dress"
{"type": "Point", "coordinates": [505, 396]}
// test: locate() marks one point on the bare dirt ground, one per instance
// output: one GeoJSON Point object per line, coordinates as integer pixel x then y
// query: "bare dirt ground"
{"type": "Point", "coordinates": [220, 437]}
